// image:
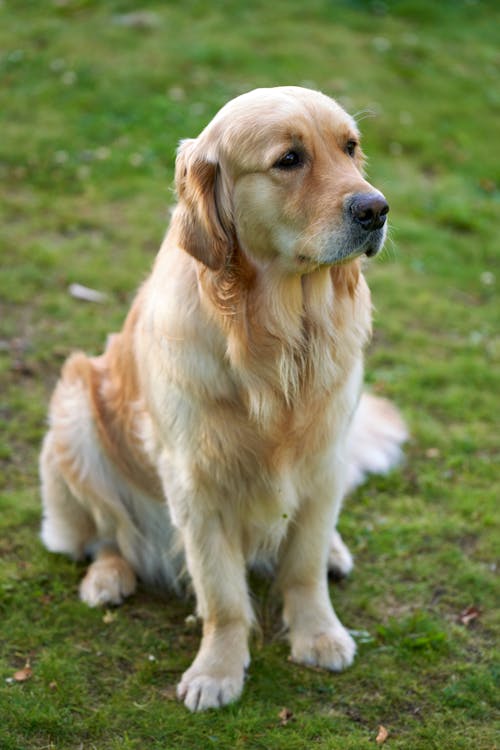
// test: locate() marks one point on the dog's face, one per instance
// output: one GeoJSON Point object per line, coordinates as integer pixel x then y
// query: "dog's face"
{"type": "Point", "coordinates": [278, 172]}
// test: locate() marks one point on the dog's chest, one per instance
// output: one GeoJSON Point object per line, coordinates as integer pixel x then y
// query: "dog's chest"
{"type": "Point", "coordinates": [268, 509]}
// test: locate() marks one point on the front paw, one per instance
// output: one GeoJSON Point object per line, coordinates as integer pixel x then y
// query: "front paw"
{"type": "Point", "coordinates": [200, 691]}
{"type": "Point", "coordinates": [332, 648]}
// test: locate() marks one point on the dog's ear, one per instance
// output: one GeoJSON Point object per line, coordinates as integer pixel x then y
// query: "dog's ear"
{"type": "Point", "coordinates": [206, 225]}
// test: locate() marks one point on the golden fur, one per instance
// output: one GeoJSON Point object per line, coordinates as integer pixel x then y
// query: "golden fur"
{"type": "Point", "coordinates": [221, 427]}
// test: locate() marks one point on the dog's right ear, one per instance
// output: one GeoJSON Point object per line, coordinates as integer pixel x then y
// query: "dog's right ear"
{"type": "Point", "coordinates": [206, 225]}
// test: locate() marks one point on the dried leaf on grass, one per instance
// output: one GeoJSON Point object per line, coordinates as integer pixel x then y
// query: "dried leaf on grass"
{"type": "Point", "coordinates": [432, 453]}
{"type": "Point", "coordinates": [382, 735]}
{"type": "Point", "coordinates": [23, 674]}
{"type": "Point", "coordinates": [468, 615]}
{"type": "Point", "coordinates": [109, 617]}
{"type": "Point", "coordinates": [139, 19]}
{"type": "Point", "coordinates": [85, 293]}
{"type": "Point", "coordinates": [285, 716]}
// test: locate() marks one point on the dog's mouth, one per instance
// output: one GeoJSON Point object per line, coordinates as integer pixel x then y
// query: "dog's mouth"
{"type": "Point", "coordinates": [372, 250]}
{"type": "Point", "coordinates": [354, 245]}
{"type": "Point", "coordinates": [342, 247]}
{"type": "Point", "coordinates": [346, 255]}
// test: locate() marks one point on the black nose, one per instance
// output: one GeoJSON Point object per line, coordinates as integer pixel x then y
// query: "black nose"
{"type": "Point", "coordinates": [369, 210]}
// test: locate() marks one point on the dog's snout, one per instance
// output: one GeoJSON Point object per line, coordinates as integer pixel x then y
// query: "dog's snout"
{"type": "Point", "coordinates": [369, 210]}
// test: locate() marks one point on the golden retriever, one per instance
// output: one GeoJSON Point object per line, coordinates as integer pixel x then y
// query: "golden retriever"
{"type": "Point", "coordinates": [223, 425]}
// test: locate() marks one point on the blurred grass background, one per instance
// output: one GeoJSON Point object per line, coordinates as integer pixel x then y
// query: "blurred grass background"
{"type": "Point", "coordinates": [94, 98]}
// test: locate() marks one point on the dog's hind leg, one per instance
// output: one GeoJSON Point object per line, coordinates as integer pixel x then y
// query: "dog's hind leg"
{"type": "Point", "coordinates": [68, 527]}
{"type": "Point", "coordinates": [77, 524]}
{"type": "Point", "coordinates": [83, 511]}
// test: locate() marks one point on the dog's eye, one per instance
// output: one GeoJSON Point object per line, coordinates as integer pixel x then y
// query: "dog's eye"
{"type": "Point", "coordinates": [351, 147]}
{"type": "Point", "coordinates": [290, 160]}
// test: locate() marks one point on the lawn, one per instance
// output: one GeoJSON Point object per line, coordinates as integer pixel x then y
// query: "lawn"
{"type": "Point", "coordinates": [93, 101]}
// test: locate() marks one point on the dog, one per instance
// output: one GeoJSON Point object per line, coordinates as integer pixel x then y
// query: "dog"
{"type": "Point", "coordinates": [221, 428]}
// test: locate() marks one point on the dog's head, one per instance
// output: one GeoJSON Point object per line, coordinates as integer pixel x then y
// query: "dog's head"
{"type": "Point", "coordinates": [278, 174]}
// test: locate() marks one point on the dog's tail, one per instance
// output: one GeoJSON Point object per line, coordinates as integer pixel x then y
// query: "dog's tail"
{"type": "Point", "coordinates": [375, 439]}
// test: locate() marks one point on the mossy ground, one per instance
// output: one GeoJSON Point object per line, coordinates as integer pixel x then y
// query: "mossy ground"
{"type": "Point", "coordinates": [92, 107]}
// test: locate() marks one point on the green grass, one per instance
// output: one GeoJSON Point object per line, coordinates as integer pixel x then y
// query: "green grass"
{"type": "Point", "coordinates": [91, 111]}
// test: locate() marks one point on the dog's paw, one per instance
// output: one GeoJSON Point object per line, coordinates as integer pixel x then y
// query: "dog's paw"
{"type": "Point", "coordinates": [340, 562]}
{"type": "Point", "coordinates": [331, 649]}
{"type": "Point", "coordinates": [216, 676]}
{"type": "Point", "coordinates": [108, 581]}
{"type": "Point", "coordinates": [202, 691]}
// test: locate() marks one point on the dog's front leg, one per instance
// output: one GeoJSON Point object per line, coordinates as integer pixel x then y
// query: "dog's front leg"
{"type": "Point", "coordinates": [217, 567]}
{"type": "Point", "coordinates": [317, 636]}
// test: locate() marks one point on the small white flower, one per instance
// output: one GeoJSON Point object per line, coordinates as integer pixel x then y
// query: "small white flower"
{"type": "Point", "coordinates": [57, 65]}
{"type": "Point", "coordinates": [381, 44]}
{"type": "Point", "coordinates": [197, 108]}
{"type": "Point", "coordinates": [83, 172]}
{"type": "Point", "coordinates": [136, 159]}
{"type": "Point", "coordinates": [487, 278]}
{"type": "Point", "coordinates": [60, 157]}
{"type": "Point", "coordinates": [68, 78]}
{"type": "Point", "coordinates": [177, 94]}
{"type": "Point", "coordinates": [102, 153]}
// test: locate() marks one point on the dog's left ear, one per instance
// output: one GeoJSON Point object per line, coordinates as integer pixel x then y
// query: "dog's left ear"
{"type": "Point", "coordinates": [206, 224]}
